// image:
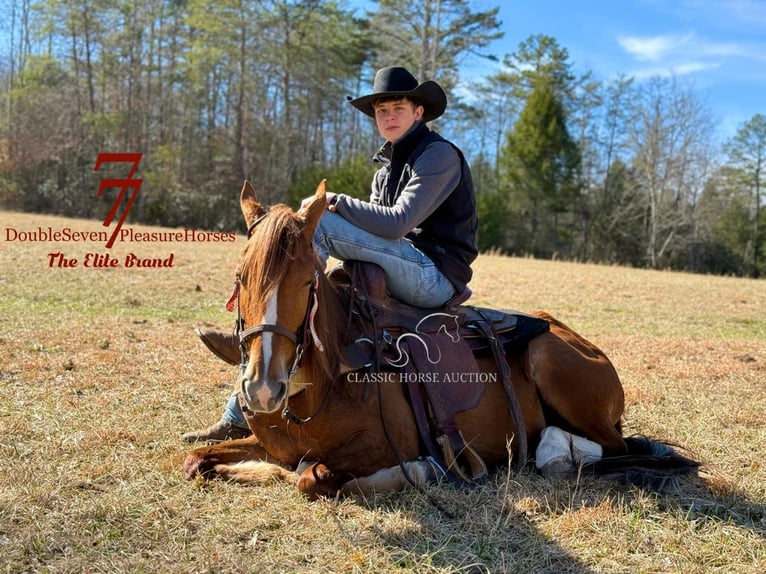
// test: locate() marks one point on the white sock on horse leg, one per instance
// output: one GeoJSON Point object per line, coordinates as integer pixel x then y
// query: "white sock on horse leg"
{"type": "Point", "coordinates": [554, 444]}
{"type": "Point", "coordinates": [585, 451]}
{"type": "Point", "coordinates": [559, 452]}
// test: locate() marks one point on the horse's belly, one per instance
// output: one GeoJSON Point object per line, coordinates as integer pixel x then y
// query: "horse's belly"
{"type": "Point", "coordinates": [489, 428]}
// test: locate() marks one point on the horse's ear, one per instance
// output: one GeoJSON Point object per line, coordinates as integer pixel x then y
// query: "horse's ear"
{"type": "Point", "coordinates": [314, 208]}
{"type": "Point", "coordinates": [251, 209]}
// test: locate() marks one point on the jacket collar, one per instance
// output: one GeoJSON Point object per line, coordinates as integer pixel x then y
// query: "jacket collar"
{"type": "Point", "coordinates": [403, 148]}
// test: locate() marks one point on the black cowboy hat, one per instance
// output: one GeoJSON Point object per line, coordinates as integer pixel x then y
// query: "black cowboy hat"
{"type": "Point", "coordinates": [399, 82]}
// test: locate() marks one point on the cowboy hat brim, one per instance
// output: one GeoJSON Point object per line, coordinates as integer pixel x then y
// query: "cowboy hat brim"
{"type": "Point", "coordinates": [429, 94]}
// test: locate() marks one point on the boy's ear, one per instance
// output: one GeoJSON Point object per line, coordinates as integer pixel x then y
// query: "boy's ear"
{"type": "Point", "coordinates": [419, 109]}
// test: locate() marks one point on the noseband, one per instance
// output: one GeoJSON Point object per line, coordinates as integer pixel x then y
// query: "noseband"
{"type": "Point", "coordinates": [300, 339]}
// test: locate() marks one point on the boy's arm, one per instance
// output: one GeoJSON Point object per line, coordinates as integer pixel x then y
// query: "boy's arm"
{"type": "Point", "coordinates": [435, 175]}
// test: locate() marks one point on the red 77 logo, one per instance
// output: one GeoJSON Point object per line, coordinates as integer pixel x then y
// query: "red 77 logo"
{"type": "Point", "coordinates": [122, 184]}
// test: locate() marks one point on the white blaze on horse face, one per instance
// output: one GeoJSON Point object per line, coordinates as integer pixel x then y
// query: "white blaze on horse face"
{"type": "Point", "coordinates": [267, 338]}
{"type": "Point", "coordinates": [263, 385]}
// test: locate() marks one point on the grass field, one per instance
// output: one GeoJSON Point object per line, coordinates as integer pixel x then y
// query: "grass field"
{"type": "Point", "coordinates": [100, 373]}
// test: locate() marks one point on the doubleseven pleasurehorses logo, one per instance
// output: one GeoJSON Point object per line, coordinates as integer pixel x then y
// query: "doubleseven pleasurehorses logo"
{"type": "Point", "coordinates": [123, 185]}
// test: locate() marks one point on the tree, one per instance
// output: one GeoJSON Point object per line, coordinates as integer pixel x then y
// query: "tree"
{"type": "Point", "coordinates": [499, 109]}
{"type": "Point", "coordinates": [39, 137]}
{"type": "Point", "coordinates": [618, 216]}
{"type": "Point", "coordinates": [723, 217]}
{"type": "Point", "coordinates": [530, 102]}
{"type": "Point", "coordinates": [491, 206]}
{"type": "Point", "coordinates": [430, 37]}
{"type": "Point", "coordinates": [747, 159]}
{"type": "Point", "coordinates": [540, 166]}
{"type": "Point", "coordinates": [503, 94]}
{"type": "Point", "coordinates": [351, 177]}
{"type": "Point", "coordinates": [670, 143]}
{"type": "Point", "coordinates": [613, 210]}
{"type": "Point", "coordinates": [539, 56]}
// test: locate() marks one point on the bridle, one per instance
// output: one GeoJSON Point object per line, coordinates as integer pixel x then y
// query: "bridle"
{"type": "Point", "coordinates": [301, 339]}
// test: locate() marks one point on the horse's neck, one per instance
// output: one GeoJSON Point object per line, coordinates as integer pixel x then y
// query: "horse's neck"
{"type": "Point", "coordinates": [320, 367]}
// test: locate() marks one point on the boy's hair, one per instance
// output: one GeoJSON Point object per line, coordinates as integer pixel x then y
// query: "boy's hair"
{"type": "Point", "coordinates": [384, 99]}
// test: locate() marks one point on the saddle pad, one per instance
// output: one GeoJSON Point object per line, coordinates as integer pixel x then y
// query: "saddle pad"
{"type": "Point", "coordinates": [514, 329]}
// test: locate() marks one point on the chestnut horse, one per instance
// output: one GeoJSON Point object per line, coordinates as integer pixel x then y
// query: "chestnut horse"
{"type": "Point", "coordinates": [364, 441]}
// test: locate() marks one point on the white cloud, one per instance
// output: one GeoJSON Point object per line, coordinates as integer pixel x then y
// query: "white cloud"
{"type": "Point", "coordinates": [730, 49]}
{"type": "Point", "coordinates": [681, 69]}
{"type": "Point", "coordinates": [684, 54]}
{"type": "Point", "coordinates": [662, 47]}
{"type": "Point", "coordinates": [654, 48]}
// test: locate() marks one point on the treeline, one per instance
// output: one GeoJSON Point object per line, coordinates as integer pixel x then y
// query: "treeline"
{"type": "Point", "coordinates": [566, 165]}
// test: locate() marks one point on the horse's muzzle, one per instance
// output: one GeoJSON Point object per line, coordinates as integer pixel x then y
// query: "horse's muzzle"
{"type": "Point", "coordinates": [263, 396]}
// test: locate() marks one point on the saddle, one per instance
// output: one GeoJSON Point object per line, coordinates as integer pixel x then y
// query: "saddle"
{"type": "Point", "coordinates": [434, 351]}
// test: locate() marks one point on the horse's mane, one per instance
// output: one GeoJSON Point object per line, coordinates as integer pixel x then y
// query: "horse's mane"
{"type": "Point", "coordinates": [269, 252]}
{"type": "Point", "coordinates": [274, 246]}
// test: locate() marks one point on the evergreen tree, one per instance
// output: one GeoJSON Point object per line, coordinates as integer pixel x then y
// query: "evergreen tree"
{"type": "Point", "coordinates": [747, 158]}
{"type": "Point", "coordinates": [430, 37]}
{"type": "Point", "coordinates": [723, 227]}
{"type": "Point", "coordinates": [539, 167]}
{"type": "Point", "coordinates": [491, 207]}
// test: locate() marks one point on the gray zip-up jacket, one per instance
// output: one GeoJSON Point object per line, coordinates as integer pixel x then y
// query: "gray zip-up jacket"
{"type": "Point", "coordinates": [423, 191]}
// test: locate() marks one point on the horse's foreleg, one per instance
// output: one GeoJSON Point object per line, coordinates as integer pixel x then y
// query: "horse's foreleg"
{"type": "Point", "coordinates": [232, 460]}
{"type": "Point", "coordinates": [318, 480]}
{"type": "Point", "coordinates": [420, 472]}
{"type": "Point", "coordinates": [255, 472]}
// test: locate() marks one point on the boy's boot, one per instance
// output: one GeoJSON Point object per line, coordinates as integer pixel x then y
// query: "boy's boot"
{"type": "Point", "coordinates": [225, 346]}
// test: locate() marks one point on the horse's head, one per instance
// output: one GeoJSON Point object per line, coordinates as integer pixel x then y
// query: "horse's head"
{"type": "Point", "coordinates": [278, 282]}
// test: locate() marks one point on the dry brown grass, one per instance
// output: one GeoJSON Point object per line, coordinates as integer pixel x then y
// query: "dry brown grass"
{"type": "Point", "coordinates": [100, 373]}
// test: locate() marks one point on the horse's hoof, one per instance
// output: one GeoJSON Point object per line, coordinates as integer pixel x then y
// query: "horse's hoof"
{"type": "Point", "coordinates": [318, 480]}
{"type": "Point", "coordinates": [560, 467]}
{"type": "Point", "coordinates": [198, 466]}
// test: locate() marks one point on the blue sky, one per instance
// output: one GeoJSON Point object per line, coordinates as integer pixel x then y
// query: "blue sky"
{"type": "Point", "coordinates": [718, 46]}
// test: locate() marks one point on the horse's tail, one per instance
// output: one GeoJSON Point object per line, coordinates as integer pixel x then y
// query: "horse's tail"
{"type": "Point", "coordinates": [649, 463]}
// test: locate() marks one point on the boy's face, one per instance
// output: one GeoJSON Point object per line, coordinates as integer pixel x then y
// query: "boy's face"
{"type": "Point", "coordinates": [395, 117]}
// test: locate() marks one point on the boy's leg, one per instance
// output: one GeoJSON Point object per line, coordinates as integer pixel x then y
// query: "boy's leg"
{"type": "Point", "coordinates": [232, 425]}
{"type": "Point", "coordinates": [411, 275]}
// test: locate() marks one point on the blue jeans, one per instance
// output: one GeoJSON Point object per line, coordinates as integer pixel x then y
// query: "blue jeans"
{"type": "Point", "coordinates": [233, 412]}
{"type": "Point", "coordinates": [411, 275]}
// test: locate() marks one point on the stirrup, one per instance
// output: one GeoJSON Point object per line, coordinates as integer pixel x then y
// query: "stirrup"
{"type": "Point", "coordinates": [474, 464]}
